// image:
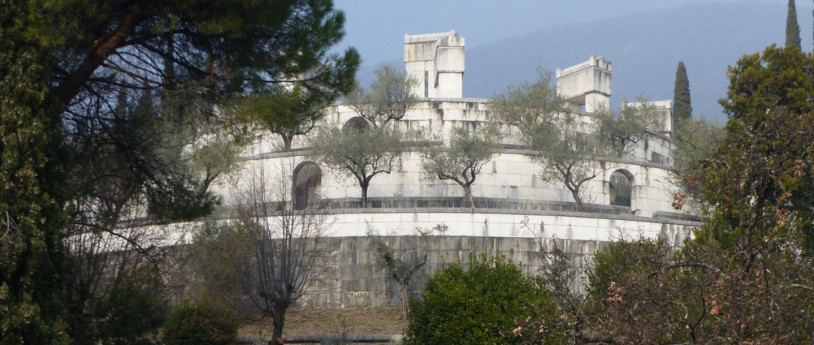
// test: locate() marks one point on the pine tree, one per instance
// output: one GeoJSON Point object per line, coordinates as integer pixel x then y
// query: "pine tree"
{"type": "Point", "coordinates": [682, 104]}
{"type": "Point", "coordinates": [792, 28]}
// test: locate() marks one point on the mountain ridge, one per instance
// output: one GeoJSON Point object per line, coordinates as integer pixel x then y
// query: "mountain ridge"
{"type": "Point", "coordinates": [644, 48]}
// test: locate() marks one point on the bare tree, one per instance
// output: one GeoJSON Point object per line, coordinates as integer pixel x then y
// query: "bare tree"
{"type": "Point", "coordinates": [461, 158]}
{"type": "Point", "coordinates": [284, 242]}
{"type": "Point", "coordinates": [566, 284]}
{"type": "Point", "coordinates": [401, 268]}
{"type": "Point", "coordinates": [112, 272]}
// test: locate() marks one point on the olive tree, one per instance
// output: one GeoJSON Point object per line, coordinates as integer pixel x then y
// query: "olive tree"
{"type": "Point", "coordinates": [388, 98]}
{"type": "Point", "coordinates": [461, 157]}
{"type": "Point", "coordinates": [374, 144]}
{"type": "Point", "coordinates": [566, 144]}
{"type": "Point", "coordinates": [695, 145]}
{"type": "Point", "coordinates": [362, 153]}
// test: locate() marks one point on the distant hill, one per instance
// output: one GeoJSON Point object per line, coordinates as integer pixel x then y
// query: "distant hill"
{"type": "Point", "coordinates": [644, 49]}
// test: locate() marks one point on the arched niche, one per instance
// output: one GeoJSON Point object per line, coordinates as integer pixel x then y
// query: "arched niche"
{"type": "Point", "coordinates": [307, 179]}
{"type": "Point", "coordinates": [621, 185]}
{"type": "Point", "coordinates": [358, 123]}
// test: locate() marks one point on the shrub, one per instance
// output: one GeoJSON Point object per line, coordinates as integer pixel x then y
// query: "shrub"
{"type": "Point", "coordinates": [200, 324]}
{"type": "Point", "coordinates": [133, 310]}
{"type": "Point", "coordinates": [487, 304]}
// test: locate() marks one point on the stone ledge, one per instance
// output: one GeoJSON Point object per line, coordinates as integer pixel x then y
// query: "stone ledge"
{"type": "Point", "coordinates": [491, 206]}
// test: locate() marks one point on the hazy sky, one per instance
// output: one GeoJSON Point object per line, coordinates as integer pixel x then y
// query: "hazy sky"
{"type": "Point", "coordinates": [377, 27]}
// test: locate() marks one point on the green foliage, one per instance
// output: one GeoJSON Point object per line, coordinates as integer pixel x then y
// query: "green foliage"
{"type": "Point", "coordinates": [568, 143]}
{"type": "Point", "coordinates": [291, 111]}
{"type": "Point", "coordinates": [67, 145]}
{"type": "Point", "coordinates": [485, 304]}
{"type": "Point", "coordinates": [134, 310]}
{"type": "Point", "coordinates": [762, 83]}
{"type": "Point", "coordinates": [32, 256]}
{"type": "Point", "coordinates": [528, 106]}
{"type": "Point", "coordinates": [620, 132]}
{"type": "Point", "coordinates": [746, 276]}
{"type": "Point", "coordinates": [203, 323]}
{"type": "Point", "coordinates": [696, 145]}
{"type": "Point", "coordinates": [792, 28]}
{"type": "Point", "coordinates": [217, 255]}
{"type": "Point", "coordinates": [565, 146]}
{"type": "Point", "coordinates": [682, 103]}
{"type": "Point", "coordinates": [645, 292]}
{"type": "Point", "coordinates": [641, 291]}
{"type": "Point", "coordinates": [387, 99]}
{"type": "Point", "coordinates": [622, 259]}
{"type": "Point", "coordinates": [462, 157]}
{"type": "Point", "coordinates": [762, 182]}
{"type": "Point", "coordinates": [360, 153]}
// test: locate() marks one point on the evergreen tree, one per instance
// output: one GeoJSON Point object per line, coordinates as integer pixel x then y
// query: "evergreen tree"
{"type": "Point", "coordinates": [31, 252]}
{"type": "Point", "coordinates": [682, 104]}
{"type": "Point", "coordinates": [63, 65]}
{"type": "Point", "coordinates": [792, 28]}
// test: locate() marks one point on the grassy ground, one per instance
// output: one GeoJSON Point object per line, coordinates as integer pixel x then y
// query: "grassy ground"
{"type": "Point", "coordinates": [368, 321]}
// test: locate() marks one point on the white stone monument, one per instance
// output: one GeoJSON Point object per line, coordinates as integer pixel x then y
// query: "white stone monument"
{"type": "Point", "coordinates": [437, 62]}
{"type": "Point", "coordinates": [586, 86]}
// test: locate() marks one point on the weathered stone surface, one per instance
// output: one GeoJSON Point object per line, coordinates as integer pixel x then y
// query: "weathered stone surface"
{"type": "Point", "coordinates": [364, 285]}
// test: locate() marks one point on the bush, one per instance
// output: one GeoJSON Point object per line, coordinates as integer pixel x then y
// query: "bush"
{"type": "Point", "coordinates": [132, 312]}
{"type": "Point", "coordinates": [487, 304]}
{"type": "Point", "coordinates": [200, 324]}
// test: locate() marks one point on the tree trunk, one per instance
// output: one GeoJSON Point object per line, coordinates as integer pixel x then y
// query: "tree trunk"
{"type": "Point", "coordinates": [364, 194]}
{"type": "Point", "coordinates": [468, 196]}
{"type": "Point", "coordinates": [278, 323]}
{"type": "Point", "coordinates": [577, 199]}
{"type": "Point", "coordinates": [287, 142]}
{"type": "Point", "coordinates": [404, 302]}
{"type": "Point", "coordinates": [103, 47]}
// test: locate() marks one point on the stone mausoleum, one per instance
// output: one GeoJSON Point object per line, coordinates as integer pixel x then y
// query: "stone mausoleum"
{"type": "Point", "coordinates": [517, 210]}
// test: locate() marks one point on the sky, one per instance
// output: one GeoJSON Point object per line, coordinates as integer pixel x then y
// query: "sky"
{"type": "Point", "coordinates": [376, 27]}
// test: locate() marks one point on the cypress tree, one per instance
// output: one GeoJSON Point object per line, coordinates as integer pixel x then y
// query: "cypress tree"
{"type": "Point", "coordinates": [792, 28]}
{"type": "Point", "coordinates": [682, 105]}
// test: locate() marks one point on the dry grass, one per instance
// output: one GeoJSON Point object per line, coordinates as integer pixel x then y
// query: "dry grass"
{"type": "Point", "coordinates": [323, 321]}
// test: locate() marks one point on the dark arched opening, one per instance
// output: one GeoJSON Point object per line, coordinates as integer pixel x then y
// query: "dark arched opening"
{"type": "Point", "coordinates": [357, 123]}
{"type": "Point", "coordinates": [307, 179]}
{"type": "Point", "coordinates": [621, 182]}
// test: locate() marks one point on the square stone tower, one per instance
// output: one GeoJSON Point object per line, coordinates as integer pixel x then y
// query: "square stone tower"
{"type": "Point", "coordinates": [437, 62]}
{"type": "Point", "coordinates": [661, 114]}
{"type": "Point", "coordinates": [586, 86]}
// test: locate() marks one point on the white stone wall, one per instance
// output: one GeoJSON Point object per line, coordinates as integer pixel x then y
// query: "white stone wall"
{"type": "Point", "coordinates": [489, 223]}
{"type": "Point", "coordinates": [512, 174]}
{"type": "Point", "coordinates": [437, 62]}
